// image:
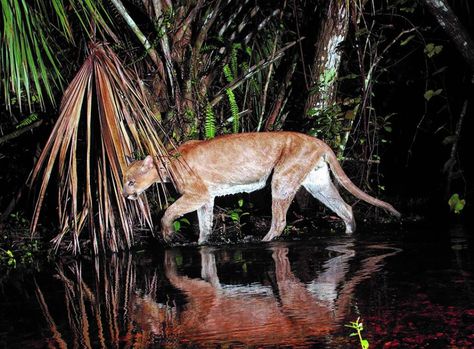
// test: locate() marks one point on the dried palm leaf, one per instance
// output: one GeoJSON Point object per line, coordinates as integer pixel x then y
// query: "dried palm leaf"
{"type": "Point", "coordinates": [103, 118]}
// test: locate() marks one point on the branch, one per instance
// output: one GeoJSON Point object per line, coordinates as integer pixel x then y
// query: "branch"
{"type": "Point", "coordinates": [140, 36]}
{"type": "Point", "coordinates": [165, 46]}
{"type": "Point", "coordinates": [263, 100]}
{"type": "Point", "coordinates": [449, 164]}
{"type": "Point", "coordinates": [453, 28]}
{"type": "Point", "coordinates": [207, 25]}
{"type": "Point", "coordinates": [280, 100]}
{"type": "Point", "coordinates": [19, 132]}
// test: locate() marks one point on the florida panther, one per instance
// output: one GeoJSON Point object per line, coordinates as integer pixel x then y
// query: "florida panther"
{"type": "Point", "coordinates": [243, 162]}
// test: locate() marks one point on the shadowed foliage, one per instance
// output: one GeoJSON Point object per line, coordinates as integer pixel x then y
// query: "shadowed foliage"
{"type": "Point", "coordinates": [207, 68]}
{"type": "Point", "coordinates": [26, 56]}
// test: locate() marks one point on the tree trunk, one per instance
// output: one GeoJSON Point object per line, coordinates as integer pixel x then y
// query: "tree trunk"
{"type": "Point", "coordinates": [327, 58]}
{"type": "Point", "coordinates": [453, 28]}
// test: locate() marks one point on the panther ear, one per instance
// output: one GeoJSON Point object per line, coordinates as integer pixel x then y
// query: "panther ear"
{"type": "Point", "coordinates": [129, 159]}
{"type": "Point", "coordinates": [148, 163]}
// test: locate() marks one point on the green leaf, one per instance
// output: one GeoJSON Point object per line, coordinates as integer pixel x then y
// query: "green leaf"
{"type": "Point", "coordinates": [210, 122]}
{"type": "Point", "coordinates": [314, 111]}
{"type": "Point", "coordinates": [407, 40]}
{"type": "Point", "coordinates": [459, 206]}
{"type": "Point", "coordinates": [235, 216]}
{"type": "Point", "coordinates": [228, 73]}
{"type": "Point", "coordinates": [430, 93]}
{"type": "Point", "coordinates": [407, 9]}
{"type": "Point", "coordinates": [234, 110]}
{"type": "Point", "coordinates": [244, 267]}
{"type": "Point", "coordinates": [449, 139]}
{"type": "Point", "coordinates": [432, 49]}
{"type": "Point", "coordinates": [185, 220]}
{"type": "Point", "coordinates": [328, 76]}
{"type": "Point", "coordinates": [456, 203]}
{"type": "Point", "coordinates": [179, 260]}
{"type": "Point", "coordinates": [27, 121]}
{"type": "Point", "coordinates": [364, 344]}
{"type": "Point", "coordinates": [177, 226]}
{"type": "Point", "coordinates": [237, 257]}
{"type": "Point", "coordinates": [349, 76]}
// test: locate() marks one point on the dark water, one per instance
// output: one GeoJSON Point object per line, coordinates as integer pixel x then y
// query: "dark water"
{"type": "Point", "coordinates": [409, 293]}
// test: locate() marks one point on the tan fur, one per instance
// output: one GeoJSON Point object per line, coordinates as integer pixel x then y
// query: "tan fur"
{"type": "Point", "coordinates": [242, 163]}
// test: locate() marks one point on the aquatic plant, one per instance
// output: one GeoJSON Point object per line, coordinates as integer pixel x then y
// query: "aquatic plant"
{"type": "Point", "coordinates": [358, 327]}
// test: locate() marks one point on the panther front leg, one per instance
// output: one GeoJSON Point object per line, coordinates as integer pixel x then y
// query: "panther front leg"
{"type": "Point", "coordinates": [185, 204]}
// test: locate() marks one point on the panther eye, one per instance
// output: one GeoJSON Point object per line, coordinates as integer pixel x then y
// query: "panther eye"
{"type": "Point", "coordinates": [131, 183]}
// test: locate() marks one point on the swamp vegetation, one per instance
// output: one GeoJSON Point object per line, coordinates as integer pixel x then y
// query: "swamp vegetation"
{"type": "Point", "coordinates": [85, 84]}
{"type": "Point", "coordinates": [88, 85]}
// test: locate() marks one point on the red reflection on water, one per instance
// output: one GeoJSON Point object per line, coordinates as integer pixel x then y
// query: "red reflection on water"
{"type": "Point", "coordinates": [291, 313]}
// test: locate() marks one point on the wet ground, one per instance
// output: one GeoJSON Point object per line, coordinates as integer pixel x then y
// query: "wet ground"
{"type": "Point", "coordinates": [411, 289]}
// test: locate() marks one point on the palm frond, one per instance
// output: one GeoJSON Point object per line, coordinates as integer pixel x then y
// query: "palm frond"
{"type": "Point", "coordinates": [28, 67]}
{"type": "Point", "coordinates": [103, 118]}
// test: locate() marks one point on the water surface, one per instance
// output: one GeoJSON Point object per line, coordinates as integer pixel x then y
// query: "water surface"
{"type": "Point", "coordinates": [409, 294]}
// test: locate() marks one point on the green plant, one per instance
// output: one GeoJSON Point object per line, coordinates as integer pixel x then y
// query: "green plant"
{"type": "Point", "coordinates": [27, 121]}
{"type": "Point", "coordinates": [191, 119]}
{"type": "Point", "coordinates": [28, 63]}
{"type": "Point", "coordinates": [177, 225]}
{"type": "Point", "coordinates": [233, 58]}
{"type": "Point", "coordinates": [358, 327]}
{"type": "Point", "coordinates": [456, 204]}
{"type": "Point", "coordinates": [432, 49]}
{"type": "Point", "coordinates": [32, 53]}
{"type": "Point", "coordinates": [431, 93]}
{"type": "Point", "coordinates": [21, 252]}
{"type": "Point", "coordinates": [210, 123]}
{"type": "Point", "coordinates": [234, 108]}
{"type": "Point", "coordinates": [9, 257]}
{"type": "Point", "coordinates": [327, 78]}
{"type": "Point", "coordinates": [237, 213]}
{"type": "Point", "coordinates": [18, 218]}
{"type": "Point", "coordinates": [229, 76]}
{"type": "Point", "coordinates": [328, 123]}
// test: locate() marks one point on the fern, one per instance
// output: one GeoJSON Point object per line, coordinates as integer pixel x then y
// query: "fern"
{"type": "Point", "coordinates": [228, 73]}
{"type": "Point", "coordinates": [28, 121]}
{"type": "Point", "coordinates": [233, 58]}
{"type": "Point", "coordinates": [210, 122]}
{"type": "Point", "coordinates": [234, 109]}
